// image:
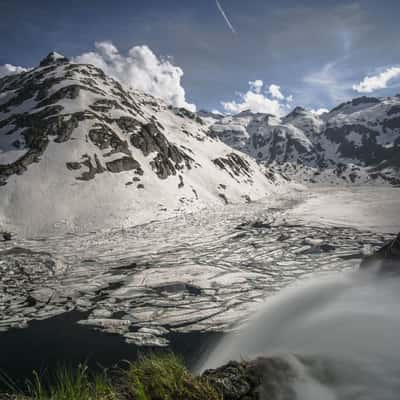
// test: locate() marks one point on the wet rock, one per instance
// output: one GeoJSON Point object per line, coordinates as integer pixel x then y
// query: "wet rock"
{"type": "Point", "coordinates": [231, 380]}
{"type": "Point", "coordinates": [263, 378]}
{"type": "Point", "coordinates": [386, 259]}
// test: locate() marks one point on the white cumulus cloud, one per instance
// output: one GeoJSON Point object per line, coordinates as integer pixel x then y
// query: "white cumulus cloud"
{"type": "Point", "coordinates": [140, 69]}
{"type": "Point", "coordinates": [256, 85]}
{"type": "Point", "coordinates": [379, 81]}
{"type": "Point", "coordinates": [319, 111]}
{"type": "Point", "coordinates": [9, 69]}
{"type": "Point", "coordinates": [258, 101]}
{"type": "Point", "coordinates": [275, 92]}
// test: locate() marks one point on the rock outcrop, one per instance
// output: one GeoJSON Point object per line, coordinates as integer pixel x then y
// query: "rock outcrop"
{"type": "Point", "coordinates": [262, 378]}
{"type": "Point", "coordinates": [386, 259]}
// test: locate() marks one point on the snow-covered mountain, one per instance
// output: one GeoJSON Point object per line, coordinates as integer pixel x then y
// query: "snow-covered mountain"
{"type": "Point", "coordinates": [76, 148]}
{"type": "Point", "coordinates": [356, 142]}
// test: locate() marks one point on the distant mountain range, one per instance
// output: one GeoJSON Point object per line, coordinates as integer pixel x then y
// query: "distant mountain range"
{"type": "Point", "coordinates": [78, 149]}
{"type": "Point", "coordinates": [356, 142]}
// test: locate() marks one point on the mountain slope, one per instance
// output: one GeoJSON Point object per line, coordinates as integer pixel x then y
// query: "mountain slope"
{"type": "Point", "coordinates": [356, 142]}
{"type": "Point", "coordinates": [77, 149]}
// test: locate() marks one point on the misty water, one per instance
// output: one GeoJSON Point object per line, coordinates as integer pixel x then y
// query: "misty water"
{"type": "Point", "coordinates": [339, 334]}
{"type": "Point", "coordinates": [186, 282]}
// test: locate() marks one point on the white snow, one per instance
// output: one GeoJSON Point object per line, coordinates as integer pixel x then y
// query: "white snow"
{"type": "Point", "coordinates": [48, 196]}
{"type": "Point", "coordinates": [363, 207]}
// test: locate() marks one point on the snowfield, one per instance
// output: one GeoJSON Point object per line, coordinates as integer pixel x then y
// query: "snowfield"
{"type": "Point", "coordinates": [362, 207]}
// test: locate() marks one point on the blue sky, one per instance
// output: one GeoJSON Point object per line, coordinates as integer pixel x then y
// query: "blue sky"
{"type": "Point", "coordinates": [313, 50]}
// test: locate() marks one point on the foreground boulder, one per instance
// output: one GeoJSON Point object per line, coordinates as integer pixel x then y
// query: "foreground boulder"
{"type": "Point", "coordinates": [258, 379]}
{"type": "Point", "coordinates": [386, 259]}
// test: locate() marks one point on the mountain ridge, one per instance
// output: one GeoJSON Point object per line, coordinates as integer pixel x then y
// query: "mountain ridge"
{"type": "Point", "coordinates": [75, 144]}
{"type": "Point", "coordinates": [356, 142]}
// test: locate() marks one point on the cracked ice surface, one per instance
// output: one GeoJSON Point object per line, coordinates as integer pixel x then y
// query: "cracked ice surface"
{"type": "Point", "coordinates": [199, 272]}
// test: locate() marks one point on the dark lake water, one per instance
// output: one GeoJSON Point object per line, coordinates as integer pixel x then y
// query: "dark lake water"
{"type": "Point", "coordinates": [43, 345]}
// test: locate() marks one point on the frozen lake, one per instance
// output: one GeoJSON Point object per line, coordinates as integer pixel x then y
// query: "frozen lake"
{"type": "Point", "coordinates": [198, 273]}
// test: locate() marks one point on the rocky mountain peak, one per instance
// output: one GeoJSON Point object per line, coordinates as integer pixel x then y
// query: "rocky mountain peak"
{"type": "Point", "coordinates": [296, 112]}
{"type": "Point", "coordinates": [53, 58]}
{"type": "Point", "coordinates": [77, 137]}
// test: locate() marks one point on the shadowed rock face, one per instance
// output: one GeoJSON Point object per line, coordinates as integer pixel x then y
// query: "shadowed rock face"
{"type": "Point", "coordinates": [169, 158]}
{"type": "Point", "coordinates": [386, 259]}
{"type": "Point", "coordinates": [47, 120]}
{"type": "Point", "coordinates": [234, 165]}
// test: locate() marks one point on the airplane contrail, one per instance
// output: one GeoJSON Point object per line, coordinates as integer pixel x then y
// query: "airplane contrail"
{"type": "Point", "coordinates": [221, 10]}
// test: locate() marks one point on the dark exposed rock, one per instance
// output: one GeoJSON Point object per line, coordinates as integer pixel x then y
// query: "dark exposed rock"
{"type": "Point", "coordinates": [6, 236]}
{"type": "Point", "coordinates": [231, 381]}
{"type": "Point", "coordinates": [223, 197]}
{"type": "Point", "coordinates": [38, 127]}
{"type": "Point", "coordinates": [386, 259]}
{"type": "Point", "coordinates": [104, 138]}
{"type": "Point", "coordinates": [247, 198]}
{"type": "Point", "coordinates": [185, 113]}
{"type": "Point", "coordinates": [283, 237]}
{"type": "Point", "coordinates": [181, 184]}
{"type": "Point", "coordinates": [234, 164]}
{"type": "Point", "coordinates": [53, 58]}
{"type": "Point", "coordinates": [128, 124]}
{"type": "Point", "coordinates": [93, 169]}
{"type": "Point", "coordinates": [261, 225]}
{"type": "Point", "coordinates": [122, 164]}
{"type": "Point", "coordinates": [67, 92]}
{"type": "Point", "coordinates": [263, 378]}
{"type": "Point", "coordinates": [104, 105]}
{"type": "Point", "coordinates": [72, 166]}
{"type": "Point", "coordinates": [169, 158]}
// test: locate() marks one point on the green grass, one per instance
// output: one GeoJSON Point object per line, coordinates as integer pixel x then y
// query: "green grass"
{"type": "Point", "coordinates": [68, 384]}
{"type": "Point", "coordinates": [152, 377]}
{"type": "Point", "coordinates": [164, 377]}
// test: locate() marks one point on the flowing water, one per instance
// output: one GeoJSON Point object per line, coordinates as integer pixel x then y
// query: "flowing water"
{"type": "Point", "coordinates": [339, 333]}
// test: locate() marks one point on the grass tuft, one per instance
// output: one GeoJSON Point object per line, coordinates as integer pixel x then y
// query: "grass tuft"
{"type": "Point", "coordinates": [68, 384]}
{"type": "Point", "coordinates": [152, 377]}
{"type": "Point", "coordinates": [164, 377]}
